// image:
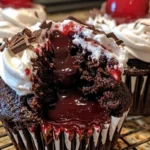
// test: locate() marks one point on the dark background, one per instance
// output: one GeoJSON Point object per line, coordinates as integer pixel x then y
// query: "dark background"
{"type": "Point", "coordinates": [54, 6]}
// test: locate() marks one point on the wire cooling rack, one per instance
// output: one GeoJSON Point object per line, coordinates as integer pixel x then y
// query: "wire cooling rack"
{"type": "Point", "coordinates": [135, 135]}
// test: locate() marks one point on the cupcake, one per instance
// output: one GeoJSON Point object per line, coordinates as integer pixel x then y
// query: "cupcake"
{"type": "Point", "coordinates": [133, 28]}
{"type": "Point", "coordinates": [61, 87]}
{"type": "Point", "coordinates": [15, 15]}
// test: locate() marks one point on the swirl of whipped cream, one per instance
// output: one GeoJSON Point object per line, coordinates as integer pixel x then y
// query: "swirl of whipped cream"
{"type": "Point", "coordinates": [14, 67]}
{"type": "Point", "coordinates": [136, 37]}
{"type": "Point", "coordinates": [14, 20]}
{"type": "Point", "coordinates": [104, 23]}
{"type": "Point", "coordinates": [13, 70]}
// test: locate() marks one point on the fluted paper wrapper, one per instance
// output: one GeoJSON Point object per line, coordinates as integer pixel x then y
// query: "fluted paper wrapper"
{"type": "Point", "coordinates": [138, 82]}
{"type": "Point", "coordinates": [93, 139]}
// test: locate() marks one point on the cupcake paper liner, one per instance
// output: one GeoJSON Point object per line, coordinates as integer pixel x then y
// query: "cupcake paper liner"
{"type": "Point", "coordinates": [93, 139]}
{"type": "Point", "coordinates": [138, 82]}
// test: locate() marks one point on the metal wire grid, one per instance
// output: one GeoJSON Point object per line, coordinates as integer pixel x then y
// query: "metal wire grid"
{"type": "Point", "coordinates": [131, 127]}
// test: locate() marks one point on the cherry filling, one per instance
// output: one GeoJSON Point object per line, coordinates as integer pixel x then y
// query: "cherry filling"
{"type": "Point", "coordinates": [65, 72]}
{"type": "Point", "coordinates": [72, 110]}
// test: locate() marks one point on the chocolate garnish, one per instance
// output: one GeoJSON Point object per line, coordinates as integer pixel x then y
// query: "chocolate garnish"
{"type": "Point", "coordinates": [2, 47]}
{"type": "Point", "coordinates": [112, 35]}
{"type": "Point", "coordinates": [45, 25]}
{"type": "Point", "coordinates": [27, 32]}
{"type": "Point", "coordinates": [30, 47]}
{"type": "Point", "coordinates": [36, 14]}
{"type": "Point", "coordinates": [35, 36]}
{"type": "Point", "coordinates": [36, 33]}
{"type": "Point", "coordinates": [119, 42]}
{"type": "Point", "coordinates": [145, 24]}
{"type": "Point", "coordinates": [19, 47]}
{"type": "Point", "coordinates": [6, 40]}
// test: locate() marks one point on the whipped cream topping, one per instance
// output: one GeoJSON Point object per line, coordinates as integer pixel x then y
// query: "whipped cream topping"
{"type": "Point", "coordinates": [136, 37]}
{"type": "Point", "coordinates": [16, 69]}
{"type": "Point", "coordinates": [104, 23]}
{"type": "Point", "coordinates": [13, 66]}
{"type": "Point", "coordinates": [14, 20]}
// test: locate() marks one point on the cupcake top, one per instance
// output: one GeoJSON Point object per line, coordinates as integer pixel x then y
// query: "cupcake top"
{"type": "Point", "coordinates": [126, 27]}
{"type": "Point", "coordinates": [62, 72]}
{"type": "Point", "coordinates": [13, 19]}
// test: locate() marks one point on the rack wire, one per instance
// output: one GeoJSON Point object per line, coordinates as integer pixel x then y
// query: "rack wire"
{"type": "Point", "coordinates": [135, 135]}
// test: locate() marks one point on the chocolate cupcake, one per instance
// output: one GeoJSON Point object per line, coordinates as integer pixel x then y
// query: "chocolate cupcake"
{"type": "Point", "coordinates": [61, 89]}
{"type": "Point", "coordinates": [136, 37]}
{"type": "Point", "coordinates": [134, 30]}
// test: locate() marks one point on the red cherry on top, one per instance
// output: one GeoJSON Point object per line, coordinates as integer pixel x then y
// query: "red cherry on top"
{"type": "Point", "coordinates": [132, 9]}
{"type": "Point", "coordinates": [17, 3]}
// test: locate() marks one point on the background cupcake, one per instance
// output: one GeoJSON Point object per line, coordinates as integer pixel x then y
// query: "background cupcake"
{"type": "Point", "coordinates": [16, 15]}
{"type": "Point", "coordinates": [61, 87]}
{"type": "Point", "coordinates": [124, 22]}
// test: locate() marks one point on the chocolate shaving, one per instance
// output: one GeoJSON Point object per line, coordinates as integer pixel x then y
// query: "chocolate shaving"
{"type": "Point", "coordinates": [112, 35]}
{"type": "Point", "coordinates": [119, 42]}
{"type": "Point", "coordinates": [45, 25]}
{"type": "Point", "coordinates": [37, 33]}
{"type": "Point", "coordinates": [136, 24]}
{"type": "Point", "coordinates": [30, 47]}
{"type": "Point", "coordinates": [20, 46]}
{"type": "Point", "coordinates": [145, 24]}
{"type": "Point", "coordinates": [35, 36]}
{"type": "Point", "coordinates": [17, 40]}
{"type": "Point", "coordinates": [2, 47]}
{"type": "Point", "coordinates": [32, 39]}
{"type": "Point", "coordinates": [27, 32]}
{"type": "Point", "coordinates": [36, 14]}
{"type": "Point", "coordinates": [6, 40]}
{"type": "Point", "coordinates": [14, 38]}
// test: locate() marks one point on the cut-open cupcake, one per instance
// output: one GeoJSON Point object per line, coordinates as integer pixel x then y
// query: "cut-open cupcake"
{"type": "Point", "coordinates": [61, 87]}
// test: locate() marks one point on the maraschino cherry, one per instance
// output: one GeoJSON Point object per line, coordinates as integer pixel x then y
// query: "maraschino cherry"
{"type": "Point", "coordinates": [17, 3]}
{"type": "Point", "coordinates": [127, 9]}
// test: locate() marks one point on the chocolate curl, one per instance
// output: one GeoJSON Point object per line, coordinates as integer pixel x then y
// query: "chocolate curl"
{"type": "Point", "coordinates": [112, 35]}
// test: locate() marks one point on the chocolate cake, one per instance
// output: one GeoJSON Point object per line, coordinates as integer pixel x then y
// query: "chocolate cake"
{"type": "Point", "coordinates": [61, 87]}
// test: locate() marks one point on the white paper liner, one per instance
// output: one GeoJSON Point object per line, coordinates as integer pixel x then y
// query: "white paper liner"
{"type": "Point", "coordinates": [109, 130]}
{"type": "Point", "coordinates": [15, 137]}
{"type": "Point", "coordinates": [67, 141]}
{"type": "Point", "coordinates": [96, 135]}
{"type": "Point", "coordinates": [77, 142]}
{"type": "Point", "coordinates": [144, 84]}
{"type": "Point", "coordinates": [133, 83]}
{"type": "Point", "coordinates": [34, 140]}
{"type": "Point", "coordinates": [23, 138]}
{"type": "Point", "coordinates": [104, 133]}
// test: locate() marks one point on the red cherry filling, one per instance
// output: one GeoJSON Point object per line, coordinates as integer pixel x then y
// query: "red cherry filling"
{"type": "Point", "coordinates": [128, 9]}
{"type": "Point", "coordinates": [65, 72]}
{"type": "Point", "coordinates": [116, 74]}
{"type": "Point", "coordinates": [18, 3]}
{"type": "Point", "coordinates": [27, 71]}
{"type": "Point", "coordinates": [70, 27]}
